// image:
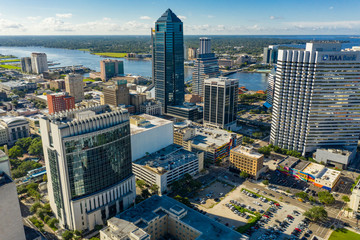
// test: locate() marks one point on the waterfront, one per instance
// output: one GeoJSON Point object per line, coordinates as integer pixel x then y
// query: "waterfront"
{"type": "Point", "coordinates": [66, 57]}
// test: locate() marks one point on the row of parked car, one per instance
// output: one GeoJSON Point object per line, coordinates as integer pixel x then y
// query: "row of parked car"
{"type": "Point", "coordinates": [234, 210]}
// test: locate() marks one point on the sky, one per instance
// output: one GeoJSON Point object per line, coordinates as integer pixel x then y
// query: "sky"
{"type": "Point", "coordinates": [211, 17]}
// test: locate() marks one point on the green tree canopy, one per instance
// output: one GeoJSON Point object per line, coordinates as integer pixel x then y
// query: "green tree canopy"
{"type": "Point", "coordinates": [24, 143]}
{"type": "Point", "coordinates": [316, 214]}
{"type": "Point", "coordinates": [244, 174]}
{"type": "Point", "coordinates": [346, 198]}
{"type": "Point", "coordinates": [15, 152]}
{"type": "Point", "coordinates": [67, 235]}
{"type": "Point", "coordinates": [35, 147]}
{"type": "Point", "coordinates": [302, 195]}
{"type": "Point", "coordinates": [326, 197]}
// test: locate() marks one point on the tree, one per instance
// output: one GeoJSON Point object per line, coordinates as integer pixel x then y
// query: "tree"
{"type": "Point", "coordinates": [15, 152]}
{"type": "Point", "coordinates": [145, 193]}
{"type": "Point", "coordinates": [36, 147]}
{"type": "Point", "coordinates": [24, 143]}
{"type": "Point", "coordinates": [154, 188]}
{"type": "Point", "coordinates": [265, 182]}
{"type": "Point", "coordinates": [52, 222]}
{"type": "Point", "coordinates": [35, 207]}
{"type": "Point", "coordinates": [302, 195]}
{"type": "Point", "coordinates": [312, 199]}
{"type": "Point", "coordinates": [266, 150]}
{"type": "Point", "coordinates": [67, 235]}
{"type": "Point", "coordinates": [183, 200]}
{"type": "Point", "coordinates": [41, 213]}
{"type": "Point", "coordinates": [45, 178]}
{"type": "Point", "coordinates": [316, 214]}
{"type": "Point", "coordinates": [35, 194]}
{"type": "Point", "coordinates": [140, 183]}
{"type": "Point", "coordinates": [32, 186]}
{"type": "Point", "coordinates": [247, 140]}
{"type": "Point", "coordinates": [244, 174]}
{"type": "Point", "coordinates": [88, 96]}
{"type": "Point", "coordinates": [326, 197]}
{"type": "Point", "coordinates": [346, 198]}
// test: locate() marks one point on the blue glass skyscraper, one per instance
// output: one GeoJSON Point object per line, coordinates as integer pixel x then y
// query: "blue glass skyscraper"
{"type": "Point", "coordinates": [168, 60]}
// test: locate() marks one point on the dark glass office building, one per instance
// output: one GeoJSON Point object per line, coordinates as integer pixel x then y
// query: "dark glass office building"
{"type": "Point", "coordinates": [168, 60]}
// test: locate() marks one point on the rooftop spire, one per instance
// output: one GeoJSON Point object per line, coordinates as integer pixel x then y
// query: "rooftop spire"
{"type": "Point", "coordinates": [168, 16]}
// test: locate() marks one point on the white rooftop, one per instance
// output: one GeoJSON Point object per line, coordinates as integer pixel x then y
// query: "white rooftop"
{"type": "Point", "coordinates": [329, 175]}
{"type": "Point", "coordinates": [154, 122]}
{"type": "Point", "coordinates": [314, 169]}
{"type": "Point", "coordinates": [247, 151]}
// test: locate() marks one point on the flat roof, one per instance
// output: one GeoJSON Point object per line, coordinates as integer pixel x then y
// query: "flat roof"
{"type": "Point", "coordinates": [206, 136]}
{"type": "Point", "coordinates": [288, 162]}
{"type": "Point", "coordinates": [341, 151]}
{"type": "Point", "coordinates": [166, 159]}
{"type": "Point", "coordinates": [154, 123]}
{"type": "Point", "coordinates": [247, 151]}
{"type": "Point", "coordinates": [301, 165]}
{"type": "Point", "coordinates": [148, 210]}
{"type": "Point", "coordinates": [314, 169]}
{"type": "Point", "coordinates": [329, 175]}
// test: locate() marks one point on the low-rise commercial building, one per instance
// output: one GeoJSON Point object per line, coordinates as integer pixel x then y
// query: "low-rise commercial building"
{"type": "Point", "coordinates": [314, 173]}
{"type": "Point", "coordinates": [60, 102]}
{"type": "Point", "coordinates": [215, 143]}
{"type": "Point", "coordinates": [17, 127]}
{"type": "Point", "coordinates": [17, 85]}
{"type": "Point", "coordinates": [168, 165]}
{"type": "Point", "coordinates": [186, 112]}
{"type": "Point", "coordinates": [151, 108]}
{"type": "Point", "coordinates": [338, 157]}
{"type": "Point", "coordinates": [247, 160]}
{"type": "Point", "coordinates": [158, 216]}
{"type": "Point", "coordinates": [149, 134]}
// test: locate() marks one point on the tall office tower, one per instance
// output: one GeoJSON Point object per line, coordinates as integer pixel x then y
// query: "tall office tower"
{"type": "Point", "coordinates": [192, 53]}
{"type": "Point", "coordinates": [317, 100]}
{"type": "Point", "coordinates": [111, 68]}
{"type": "Point", "coordinates": [26, 65]}
{"type": "Point", "coordinates": [270, 88]}
{"type": "Point", "coordinates": [39, 63]}
{"type": "Point", "coordinates": [60, 102]}
{"type": "Point", "coordinates": [88, 162]}
{"type": "Point", "coordinates": [168, 45]}
{"type": "Point", "coordinates": [205, 45]}
{"type": "Point", "coordinates": [270, 54]}
{"type": "Point", "coordinates": [206, 66]}
{"type": "Point", "coordinates": [74, 86]}
{"type": "Point", "coordinates": [11, 225]}
{"type": "Point", "coordinates": [116, 93]}
{"type": "Point", "coordinates": [220, 102]}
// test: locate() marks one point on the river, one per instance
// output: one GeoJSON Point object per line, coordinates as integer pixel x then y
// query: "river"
{"type": "Point", "coordinates": [66, 57]}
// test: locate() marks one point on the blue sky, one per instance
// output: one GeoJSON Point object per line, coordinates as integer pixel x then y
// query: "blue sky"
{"type": "Point", "coordinates": [212, 17]}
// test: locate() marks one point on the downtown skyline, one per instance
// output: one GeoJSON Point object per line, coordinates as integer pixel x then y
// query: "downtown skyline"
{"type": "Point", "coordinates": [200, 17]}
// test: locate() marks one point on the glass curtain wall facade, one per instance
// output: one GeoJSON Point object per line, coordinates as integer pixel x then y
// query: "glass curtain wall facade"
{"type": "Point", "coordinates": [168, 60]}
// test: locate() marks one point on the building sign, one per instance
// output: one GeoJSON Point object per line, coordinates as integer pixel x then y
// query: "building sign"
{"type": "Point", "coordinates": [339, 58]}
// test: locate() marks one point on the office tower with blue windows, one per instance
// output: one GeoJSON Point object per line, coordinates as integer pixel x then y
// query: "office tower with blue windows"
{"type": "Point", "coordinates": [168, 60]}
{"type": "Point", "coordinates": [88, 162]}
{"type": "Point", "coordinates": [206, 66]}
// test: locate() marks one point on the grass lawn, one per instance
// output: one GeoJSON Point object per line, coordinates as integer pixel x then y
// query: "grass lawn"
{"type": "Point", "coordinates": [344, 234]}
{"type": "Point", "coordinates": [111, 54]}
{"type": "Point", "coordinates": [88, 80]}
{"type": "Point", "coordinates": [84, 49]}
{"type": "Point", "coordinates": [7, 56]}
{"type": "Point", "coordinates": [10, 67]}
{"type": "Point", "coordinates": [9, 60]}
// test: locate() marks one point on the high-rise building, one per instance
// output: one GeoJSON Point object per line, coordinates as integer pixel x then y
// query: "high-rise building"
{"type": "Point", "coordinates": [206, 66]}
{"type": "Point", "coordinates": [74, 86]}
{"type": "Point", "coordinates": [270, 88]}
{"type": "Point", "coordinates": [270, 54]}
{"type": "Point", "coordinates": [88, 162]}
{"type": "Point", "coordinates": [60, 102]}
{"type": "Point", "coordinates": [316, 99]}
{"type": "Point", "coordinates": [26, 65]}
{"type": "Point", "coordinates": [116, 93]}
{"type": "Point", "coordinates": [220, 102]}
{"type": "Point", "coordinates": [11, 225]}
{"type": "Point", "coordinates": [111, 68]}
{"type": "Point", "coordinates": [168, 60]}
{"type": "Point", "coordinates": [245, 159]}
{"type": "Point", "coordinates": [39, 63]}
{"type": "Point", "coordinates": [192, 53]}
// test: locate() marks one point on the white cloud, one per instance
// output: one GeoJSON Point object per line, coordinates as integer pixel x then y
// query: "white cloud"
{"type": "Point", "coordinates": [275, 17]}
{"type": "Point", "coordinates": [6, 24]}
{"type": "Point", "coordinates": [64, 15]}
{"type": "Point", "coordinates": [182, 17]}
{"type": "Point", "coordinates": [33, 18]}
{"type": "Point", "coordinates": [106, 19]}
{"type": "Point", "coordinates": [56, 25]}
{"type": "Point", "coordinates": [145, 17]}
{"type": "Point", "coordinates": [326, 25]}
{"type": "Point", "coordinates": [331, 8]}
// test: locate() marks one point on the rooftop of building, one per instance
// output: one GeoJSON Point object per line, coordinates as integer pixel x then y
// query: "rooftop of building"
{"type": "Point", "coordinates": [289, 162]}
{"type": "Point", "coordinates": [16, 83]}
{"type": "Point", "coordinates": [82, 114]}
{"type": "Point", "coordinates": [166, 159]}
{"type": "Point", "coordinates": [206, 136]}
{"type": "Point", "coordinates": [301, 165]}
{"type": "Point", "coordinates": [314, 169]}
{"type": "Point", "coordinates": [157, 206]}
{"type": "Point", "coordinates": [168, 16]}
{"type": "Point", "coordinates": [329, 175]}
{"type": "Point", "coordinates": [10, 120]}
{"type": "Point", "coordinates": [340, 151]}
{"type": "Point", "coordinates": [148, 122]}
{"type": "Point", "coordinates": [220, 80]}
{"type": "Point", "coordinates": [247, 151]}
{"type": "Point", "coordinates": [123, 230]}
{"type": "Point", "coordinates": [185, 107]}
